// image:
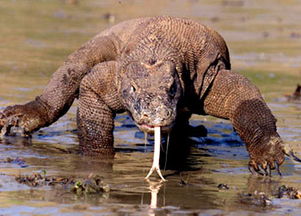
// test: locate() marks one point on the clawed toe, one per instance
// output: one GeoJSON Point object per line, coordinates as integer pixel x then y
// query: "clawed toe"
{"type": "Point", "coordinates": [269, 171]}
{"type": "Point", "coordinates": [5, 130]}
{"type": "Point", "coordinates": [277, 168]}
{"type": "Point", "coordinates": [292, 155]}
{"type": "Point", "coordinates": [252, 170]}
{"type": "Point", "coordinates": [261, 170]}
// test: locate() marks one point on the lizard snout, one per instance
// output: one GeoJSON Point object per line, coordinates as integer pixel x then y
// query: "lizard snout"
{"type": "Point", "coordinates": [159, 116]}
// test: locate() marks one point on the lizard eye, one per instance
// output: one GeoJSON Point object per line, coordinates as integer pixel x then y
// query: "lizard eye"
{"type": "Point", "coordinates": [173, 89]}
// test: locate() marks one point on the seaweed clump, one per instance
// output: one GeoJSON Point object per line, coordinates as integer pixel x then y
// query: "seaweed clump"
{"type": "Point", "coordinates": [264, 200]}
{"type": "Point", "coordinates": [288, 192]}
{"type": "Point", "coordinates": [90, 185]}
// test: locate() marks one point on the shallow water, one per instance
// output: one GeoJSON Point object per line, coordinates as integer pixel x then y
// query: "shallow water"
{"type": "Point", "coordinates": [39, 35]}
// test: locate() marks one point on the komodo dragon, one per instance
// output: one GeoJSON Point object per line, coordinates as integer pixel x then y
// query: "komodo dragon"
{"type": "Point", "coordinates": [161, 70]}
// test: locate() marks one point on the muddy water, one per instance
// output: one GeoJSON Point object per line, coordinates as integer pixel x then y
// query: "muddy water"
{"type": "Point", "coordinates": [264, 40]}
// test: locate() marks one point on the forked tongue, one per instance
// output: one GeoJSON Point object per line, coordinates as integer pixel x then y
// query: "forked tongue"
{"type": "Point", "coordinates": [156, 158]}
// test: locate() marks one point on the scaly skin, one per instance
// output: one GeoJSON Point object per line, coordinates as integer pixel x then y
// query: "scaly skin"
{"type": "Point", "coordinates": [160, 70]}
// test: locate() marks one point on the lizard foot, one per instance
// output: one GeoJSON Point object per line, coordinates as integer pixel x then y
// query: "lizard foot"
{"type": "Point", "coordinates": [264, 158]}
{"type": "Point", "coordinates": [26, 118]}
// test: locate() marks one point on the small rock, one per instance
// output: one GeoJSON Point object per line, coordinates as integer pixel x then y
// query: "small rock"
{"type": "Point", "coordinates": [110, 18]}
{"type": "Point", "coordinates": [258, 199]}
{"type": "Point", "coordinates": [223, 187]}
{"type": "Point", "coordinates": [296, 96]}
{"type": "Point", "coordinates": [183, 182]}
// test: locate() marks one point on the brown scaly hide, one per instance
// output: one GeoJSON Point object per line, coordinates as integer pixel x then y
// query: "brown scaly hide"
{"type": "Point", "coordinates": [160, 70]}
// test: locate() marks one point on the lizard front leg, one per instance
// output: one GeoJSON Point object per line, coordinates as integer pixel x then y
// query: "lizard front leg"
{"type": "Point", "coordinates": [61, 90]}
{"type": "Point", "coordinates": [98, 103]}
{"type": "Point", "coordinates": [234, 97]}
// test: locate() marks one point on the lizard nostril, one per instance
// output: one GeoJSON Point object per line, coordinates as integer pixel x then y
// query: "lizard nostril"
{"type": "Point", "coordinates": [166, 113]}
{"type": "Point", "coordinates": [145, 115]}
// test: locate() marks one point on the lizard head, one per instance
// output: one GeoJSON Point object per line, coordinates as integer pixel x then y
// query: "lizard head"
{"type": "Point", "coordinates": [151, 91]}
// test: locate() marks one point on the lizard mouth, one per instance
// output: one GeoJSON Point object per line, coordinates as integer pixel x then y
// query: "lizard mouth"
{"type": "Point", "coordinates": [151, 128]}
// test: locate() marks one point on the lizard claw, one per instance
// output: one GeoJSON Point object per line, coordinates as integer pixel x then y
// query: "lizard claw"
{"type": "Point", "coordinates": [267, 171]}
{"type": "Point", "coordinates": [262, 170]}
{"type": "Point", "coordinates": [257, 167]}
{"type": "Point", "coordinates": [292, 155]}
{"type": "Point", "coordinates": [252, 170]}
{"type": "Point", "coordinates": [5, 125]}
{"type": "Point", "coordinates": [277, 169]}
